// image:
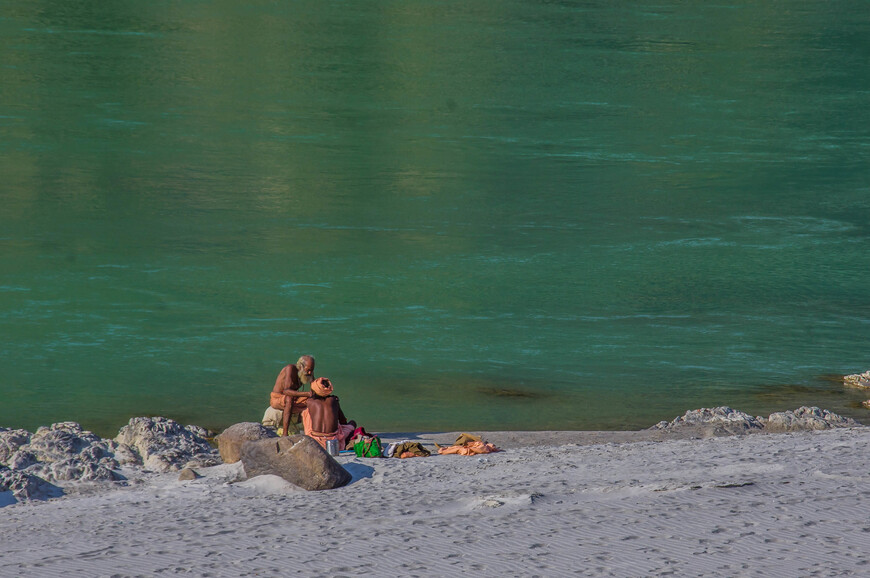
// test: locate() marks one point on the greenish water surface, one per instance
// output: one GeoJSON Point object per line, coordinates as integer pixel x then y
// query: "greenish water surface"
{"type": "Point", "coordinates": [476, 215]}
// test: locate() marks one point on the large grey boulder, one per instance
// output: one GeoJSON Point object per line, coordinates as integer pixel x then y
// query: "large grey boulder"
{"type": "Point", "coordinates": [805, 419]}
{"type": "Point", "coordinates": [298, 459]}
{"type": "Point", "coordinates": [165, 445]}
{"type": "Point", "coordinates": [713, 421]}
{"type": "Point", "coordinates": [231, 439]}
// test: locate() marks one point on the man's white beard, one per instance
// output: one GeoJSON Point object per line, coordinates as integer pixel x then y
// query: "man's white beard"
{"type": "Point", "coordinates": [304, 378]}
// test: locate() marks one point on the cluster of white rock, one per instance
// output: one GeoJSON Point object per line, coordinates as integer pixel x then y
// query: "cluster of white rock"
{"type": "Point", "coordinates": [857, 380]}
{"type": "Point", "coordinates": [31, 464]}
{"type": "Point", "coordinates": [160, 444]}
{"type": "Point", "coordinates": [726, 421]}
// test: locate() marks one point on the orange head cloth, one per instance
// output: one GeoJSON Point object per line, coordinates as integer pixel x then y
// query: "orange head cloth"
{"type": "Point", "coordinates": [321, 386]}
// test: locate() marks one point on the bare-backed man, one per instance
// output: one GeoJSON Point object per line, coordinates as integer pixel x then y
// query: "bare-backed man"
{"type": "Point", "coordinates": [323, 419]}
{"type": "Point", "coordinates": [287, 395]}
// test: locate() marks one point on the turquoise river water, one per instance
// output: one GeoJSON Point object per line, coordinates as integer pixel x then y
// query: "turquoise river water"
{"type": "Point", "coordinates": [475, 215]}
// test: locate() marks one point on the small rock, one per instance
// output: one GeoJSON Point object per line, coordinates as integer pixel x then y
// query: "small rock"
{"type": "Point", "coordinates": [231, 440]}
{"type": "Point", "coordinates": [298, 459]}
{"type": "Point", "coordinates": [187, 474]}
{"type": "Point", "coordinates": [866, 404]}
{"type": "Point", "coordinates": [857, 380]}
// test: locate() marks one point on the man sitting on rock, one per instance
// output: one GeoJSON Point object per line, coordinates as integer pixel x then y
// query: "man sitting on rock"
{"type": "Point", "coordinates": [322, 418]}
{"type": "Point", "coordinates": [286, 396]}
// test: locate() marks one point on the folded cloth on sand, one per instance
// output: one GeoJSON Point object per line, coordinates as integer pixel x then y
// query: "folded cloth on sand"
{"type": "Point", "coordinates": [407, 449]}
{"type": "Point", "coordinates": [467, 445]}
{"type": "Point", "coordinates": [464, 438]}
{"type": "Point", "coordinates": [277, 401]}
{"type": "Point", "coordinates": [469, 449]}
{"type": "Point", "coordinates": [322, 387]}
{"type": "Point", "coordinates": [341, 434]}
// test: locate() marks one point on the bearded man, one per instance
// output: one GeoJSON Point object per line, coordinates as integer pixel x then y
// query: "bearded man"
{"type": "Point", "coordinates": [286, 395]}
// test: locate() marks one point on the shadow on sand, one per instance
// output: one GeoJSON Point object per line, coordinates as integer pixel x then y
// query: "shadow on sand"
{"type": "Point", "coordinates": [358, 472]}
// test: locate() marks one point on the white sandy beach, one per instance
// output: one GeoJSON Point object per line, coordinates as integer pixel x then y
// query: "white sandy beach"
{"type": "Point", "coordinates": [550, 504]}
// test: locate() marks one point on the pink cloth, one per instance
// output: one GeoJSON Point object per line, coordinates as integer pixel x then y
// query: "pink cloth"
{"type": "Point", "coordinates": [341, 434]}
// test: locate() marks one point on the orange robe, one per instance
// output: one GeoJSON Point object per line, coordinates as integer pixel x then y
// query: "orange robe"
{"type": "Point", "coordinates": [468, 449]}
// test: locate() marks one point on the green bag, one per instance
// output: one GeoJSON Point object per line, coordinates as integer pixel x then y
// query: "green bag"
{"type": "Point", "coordinates": [368, 447]}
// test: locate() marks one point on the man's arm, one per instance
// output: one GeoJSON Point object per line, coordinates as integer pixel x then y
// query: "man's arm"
{"type": "Point", "coordinates": [288, 381]}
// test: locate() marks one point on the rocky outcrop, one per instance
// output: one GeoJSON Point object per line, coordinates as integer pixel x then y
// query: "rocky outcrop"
{"type": "Point", "coordinates": [22, 486]}
{"type": "Point", "coordinates": [164, 445]}
{"type": "Point", "coordinates": [857, 380]}
{"type": "Point", "coordinates": [715, 421]}
{"type": "Point", "coordinates": [65, 439]}
{"type": "Point", "coordinates": [64, 452]}
{"type": "Point", "coordinates": [231, 439]}
{"type": "Point", "coordinates": [10, 441]}
{"type": "Point", "coordinates": [727, 421]}
{"type": "Point", "coordinates": [298, 459]}
{"type": "Point", "coordinates": [806, 419]}
{"type": "Point", "coordinates": [61, 452]}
